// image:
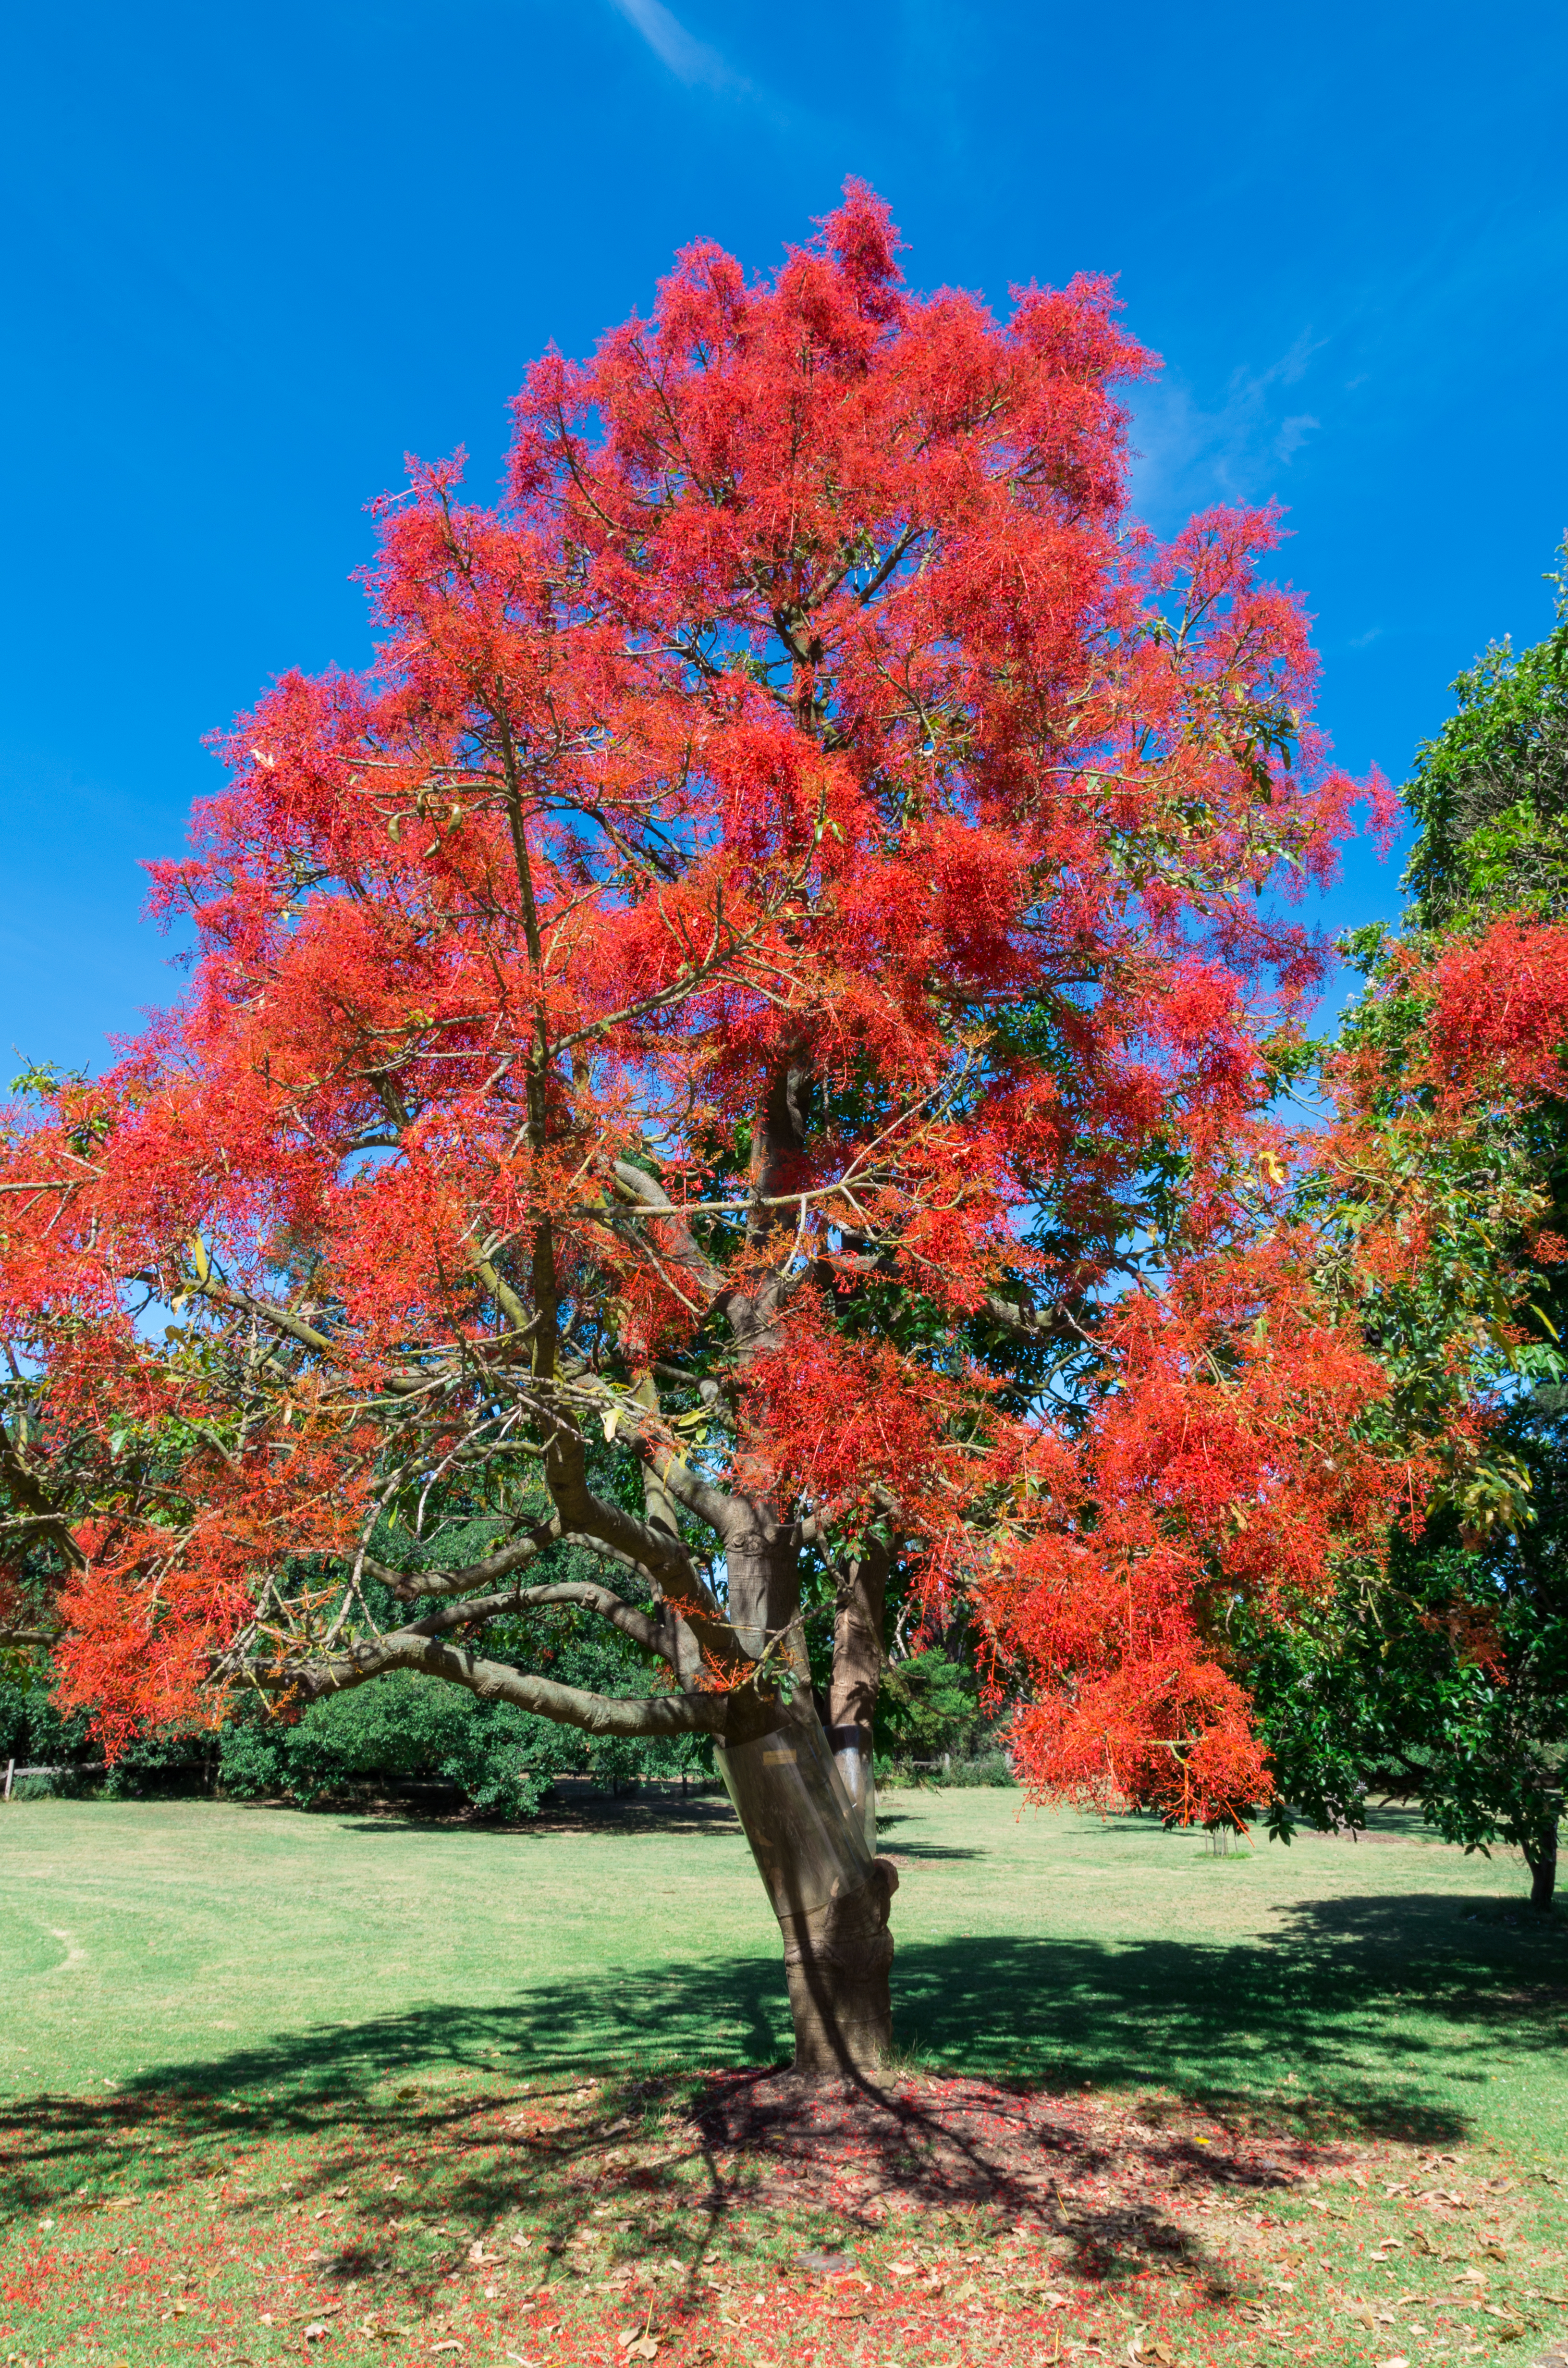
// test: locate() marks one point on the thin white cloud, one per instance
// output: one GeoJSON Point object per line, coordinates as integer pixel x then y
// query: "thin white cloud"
{"type": "Point", "coordinates": [689, 60]}
{"type": "Point", "coordinates": [1188, 457]}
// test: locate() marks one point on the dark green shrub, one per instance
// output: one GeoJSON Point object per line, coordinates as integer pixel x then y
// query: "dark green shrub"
{"type": "Point", "coordinates": [402, 1729]}
{"type": "Point", "coordinates": [32, 1731]}
{"type": "Point", "coordinates": [987, 1769]}
{"type": "Point", "coordinates": [928, 1706]}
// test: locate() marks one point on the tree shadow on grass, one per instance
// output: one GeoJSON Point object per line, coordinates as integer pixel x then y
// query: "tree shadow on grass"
{"type": "Point", "coordinates": [687, 2168]}
{"type": "Point", "coordinates": [1362, 2016]}
{"type": "Point", "coordinates": [1379, 2008]}
{"type": "Point", "coordinates": [911, 1853]}
{"type": "Point", "coordinates": [648, 2187]}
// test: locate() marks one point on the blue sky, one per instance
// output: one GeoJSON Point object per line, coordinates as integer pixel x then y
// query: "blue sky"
{"type": "Point", "coordinates": [256, 254]}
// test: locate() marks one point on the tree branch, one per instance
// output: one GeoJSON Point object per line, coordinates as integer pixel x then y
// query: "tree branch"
{"type": "Point", "coordinates": [639, 1186]}
{"type": "Point", "coordinates": [651, 1548]}
{"type": "Point", "coordinates": [655, 1715]}
{"type": "Point", "coordinates": [588, 1520]}
{"type": "Point", "coordinates": [406, 1585]}
{"type": "Point", "coordinates": [245, 1303]}
{"type": "Point", "coordinates": [1023, 1320]}
{"type": "Point", "coordinates": [474, 1610]}
{"type": "Point", "coordinates": [28, 1490]}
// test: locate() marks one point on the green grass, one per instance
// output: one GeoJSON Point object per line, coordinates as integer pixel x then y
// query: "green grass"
{"type": "Point", "coordinates": [194, 1987]}
{"type": "Point", "coordinates": [200, 1945]}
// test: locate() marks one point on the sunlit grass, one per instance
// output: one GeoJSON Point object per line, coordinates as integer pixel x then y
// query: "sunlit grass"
{"type": "Point", "coordinates": [218, 2018]}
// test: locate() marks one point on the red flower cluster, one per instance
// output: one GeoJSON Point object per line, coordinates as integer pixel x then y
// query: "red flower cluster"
{"type": "Point", "coordinates": [1500, 1013]}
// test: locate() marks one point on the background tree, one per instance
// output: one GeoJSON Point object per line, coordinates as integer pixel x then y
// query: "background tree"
{"type": "Point", "coordinates": [1453, 1681]}
{"type": "Point", "coordinates": [709, 1057]}
{"type": "Point", "coordinates": [1449, 1684]}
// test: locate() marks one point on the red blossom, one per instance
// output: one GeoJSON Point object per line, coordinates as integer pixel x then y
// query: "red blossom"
{"type": "Point", "coordinates": [1501, 1006]}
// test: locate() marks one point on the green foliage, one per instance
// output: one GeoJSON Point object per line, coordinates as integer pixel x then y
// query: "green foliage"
{"type": "Point", "coordinates": [1490, 793]}
{"type": "Point", "coordinates": [32, 1731]}
{"type": "Point", "coordinates": [401, 1729]}
{"type": "Point", "coordinates": [1490, 796]}
{"type": "Point", "coordinates": [35, 1732]}
{"type": "Point", "coordinates": [927, 1706]}
{"type": "Point", "coordinates": [1450, 1683]}
{"type": "Point", "coordinates": [988, 1771]}
{"type": "Point", "coordinates": [404, 1729]}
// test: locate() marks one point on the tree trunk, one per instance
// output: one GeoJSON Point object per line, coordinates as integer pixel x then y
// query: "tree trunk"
{"type": "Point", "coordinates": [1542, 1859]}
{"type": "Point", "coordinates": [830, 1894]}
{"type": "Point", "coordinates": [853, 1758]}
{"type": "Point", "coordinates": [856, 1676]}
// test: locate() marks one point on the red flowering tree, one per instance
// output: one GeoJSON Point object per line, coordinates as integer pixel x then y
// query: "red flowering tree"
{"type": "Point", "coordinates": [734, 1051]}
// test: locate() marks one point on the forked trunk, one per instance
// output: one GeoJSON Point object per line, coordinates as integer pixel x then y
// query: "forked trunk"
{"type": "Point", "coordinates": [830, 1894]}
{"type": "Point", "coordinates": [1541, 1859]}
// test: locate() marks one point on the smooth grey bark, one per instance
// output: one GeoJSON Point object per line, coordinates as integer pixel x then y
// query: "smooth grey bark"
{"type": "Point", "coordinates": [829, 1893]}
{"type": "Point", "coordinates": [432, 1656]}
{"type": "Point", "coordinates": [859, 1615]}
{"type": "Point", "coordinates": [807, 1833]}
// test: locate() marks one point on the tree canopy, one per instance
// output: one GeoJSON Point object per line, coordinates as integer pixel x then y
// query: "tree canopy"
{"type": "Point", "coordinates": [731, 1068]}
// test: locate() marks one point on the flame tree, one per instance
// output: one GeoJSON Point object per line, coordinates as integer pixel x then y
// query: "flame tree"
{"type": "Point", "coordinates": [727, 1070]}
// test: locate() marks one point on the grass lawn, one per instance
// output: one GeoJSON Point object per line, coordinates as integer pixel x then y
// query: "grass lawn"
{"type": "Point", "coordinates": [278, 2086]}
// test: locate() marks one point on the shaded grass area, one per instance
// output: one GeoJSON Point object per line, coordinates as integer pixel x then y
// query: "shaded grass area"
{"type": "Point", "coordinates": [225, 2022]}
{"type": "Point", "coordinates": [730, 2219]}
{"type": "Point", "coordinates": [1399, 1986]}
{"type": "Point", "coordinates": [1330, 2038]}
